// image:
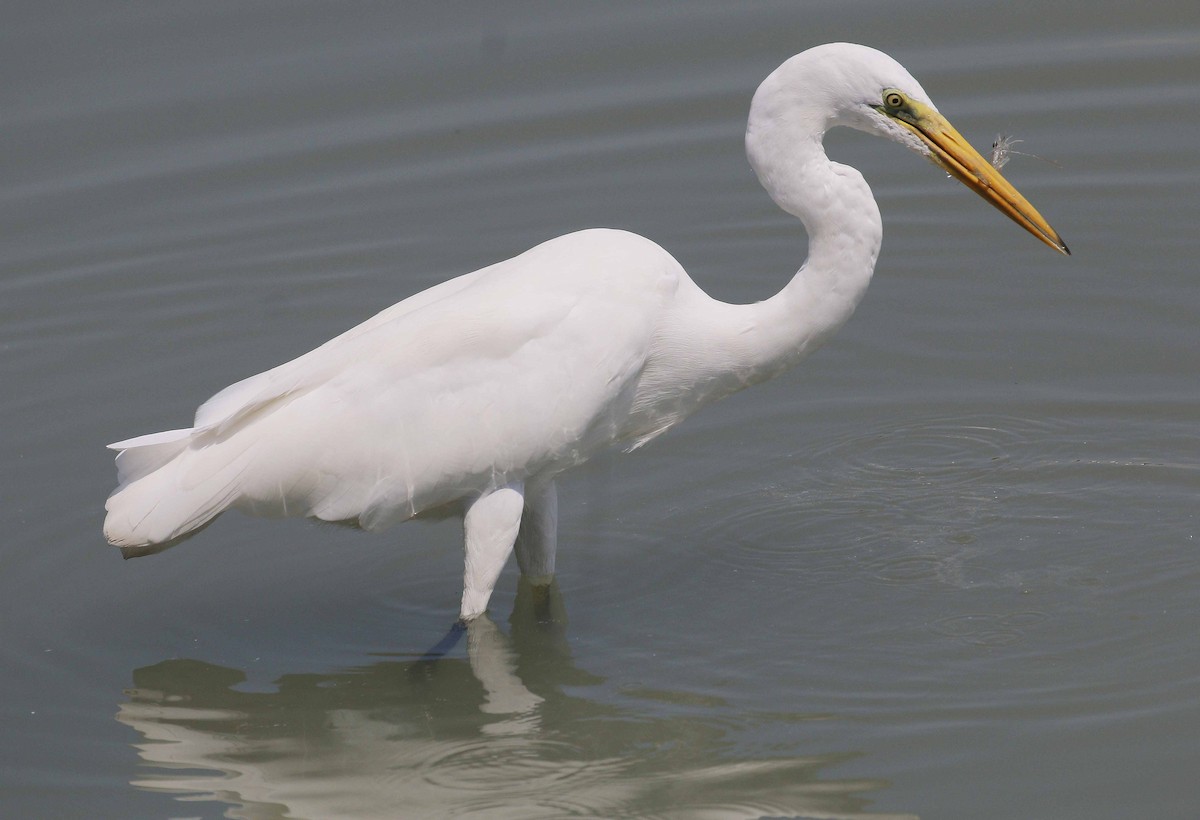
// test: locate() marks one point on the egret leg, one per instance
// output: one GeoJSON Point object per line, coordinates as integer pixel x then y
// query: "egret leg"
{"type": "Point", "coordinates": [424, 666]}
{"type": "Point", "coordinates": [537, 540]}
{"type": "Point", "coordinates": [448, 642]}
{"type": "Point", "coordinates": [490, 528]}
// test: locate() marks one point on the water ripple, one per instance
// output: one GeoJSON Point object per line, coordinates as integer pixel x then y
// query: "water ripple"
{"type": "Point", "coordinates": [539, 765]}
{"type": "Point", "coordinates": [987, 629]}
{"type": "Point", "coordinates": [902, 502]}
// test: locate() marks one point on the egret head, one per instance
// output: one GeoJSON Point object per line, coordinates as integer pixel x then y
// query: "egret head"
{"type": "Point", "coordinates": [865, 89]}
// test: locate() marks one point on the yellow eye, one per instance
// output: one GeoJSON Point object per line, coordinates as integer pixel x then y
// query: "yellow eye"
{"type": "Point", "coordinates": [893, 100]}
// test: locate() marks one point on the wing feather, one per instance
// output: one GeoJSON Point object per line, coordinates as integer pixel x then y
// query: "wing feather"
{"type": "Point", "coordinates": [526, 367]}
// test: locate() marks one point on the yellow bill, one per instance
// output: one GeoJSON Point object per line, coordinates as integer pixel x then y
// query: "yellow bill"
{"type": "Point", "coordinates": [953, 153]}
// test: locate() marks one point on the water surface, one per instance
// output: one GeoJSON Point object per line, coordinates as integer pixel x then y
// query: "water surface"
{"type": "Point", "coordinates": [946, 569]}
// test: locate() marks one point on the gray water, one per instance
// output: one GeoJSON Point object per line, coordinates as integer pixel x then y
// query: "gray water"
{"type": "Point", "coordinates": [946, 569]}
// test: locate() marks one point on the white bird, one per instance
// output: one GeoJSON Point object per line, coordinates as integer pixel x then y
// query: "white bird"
{"type": "Point", "coordinates": [470, 398]}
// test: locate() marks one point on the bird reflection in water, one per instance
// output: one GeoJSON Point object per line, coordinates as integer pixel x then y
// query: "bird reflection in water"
{"type": "Point", "coordinates": [507, 732]}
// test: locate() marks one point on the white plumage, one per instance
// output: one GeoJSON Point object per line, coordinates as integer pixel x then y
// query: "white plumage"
{"type": "Point", "coordinates": [471, 397]}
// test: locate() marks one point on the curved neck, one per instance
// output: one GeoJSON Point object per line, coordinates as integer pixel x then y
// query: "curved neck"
{"type": "Point", "coordinates": [708, 349]}
{"type": "Point", "coordinates": [844, 233]}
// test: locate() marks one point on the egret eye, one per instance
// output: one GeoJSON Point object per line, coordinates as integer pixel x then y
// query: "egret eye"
{"type": "Point", "coordinates": [893, 100]}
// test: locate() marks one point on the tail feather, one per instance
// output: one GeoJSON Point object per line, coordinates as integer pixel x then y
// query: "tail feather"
{"type": "Point", "coordinates": [143, 455]}
{"type": "Point", "coordinates": [159, 501]}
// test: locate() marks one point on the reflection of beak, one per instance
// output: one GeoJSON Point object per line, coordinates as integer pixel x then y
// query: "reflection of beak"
{"type": "Point", "coordinates": [954, 154]}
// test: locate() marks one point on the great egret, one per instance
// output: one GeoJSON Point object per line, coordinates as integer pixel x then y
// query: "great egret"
{"type": "Point", "coordinates": [471, 397]}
